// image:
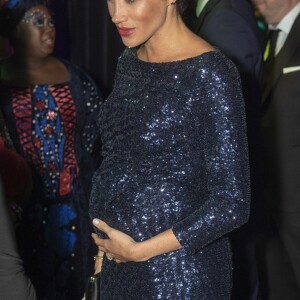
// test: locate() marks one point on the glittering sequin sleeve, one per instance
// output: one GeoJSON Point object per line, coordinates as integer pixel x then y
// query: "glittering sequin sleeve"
{"type": "Point", "coordinates": [226, 160]}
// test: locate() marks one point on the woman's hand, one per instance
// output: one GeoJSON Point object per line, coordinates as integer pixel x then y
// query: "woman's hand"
{"type": "Point", "coordinates": [119, 246]}
{"type": "Point", "coordinates": [123, 248]}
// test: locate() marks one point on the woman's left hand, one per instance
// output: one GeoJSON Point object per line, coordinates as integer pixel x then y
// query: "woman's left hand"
{"type": "Point", "coordinates": [119, 246]}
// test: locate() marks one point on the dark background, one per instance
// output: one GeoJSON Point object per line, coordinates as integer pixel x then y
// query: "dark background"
{"type": "Point", "coordinates": [87, 37]}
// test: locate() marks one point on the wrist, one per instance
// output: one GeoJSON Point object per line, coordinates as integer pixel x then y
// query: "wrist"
{"type": "Point", "coordinates": [142, 252]}
{"type": "Point", "coordinates": [162, 243]}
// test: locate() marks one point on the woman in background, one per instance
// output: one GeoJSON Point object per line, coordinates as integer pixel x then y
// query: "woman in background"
{"type": "Point", "coordinates": [50, 107]}
{"type": "Point", "coordinates": [174, 178]}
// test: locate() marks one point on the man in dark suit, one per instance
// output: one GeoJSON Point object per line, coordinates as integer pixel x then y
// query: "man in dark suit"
{"type": "Point", "coordinates": [230, 26]}
{"type": "Point", "coordinates": [281, 141]}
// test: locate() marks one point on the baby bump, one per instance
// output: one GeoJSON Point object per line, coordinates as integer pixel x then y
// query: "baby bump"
{"type": "Point", "coordinates": [141, 205]}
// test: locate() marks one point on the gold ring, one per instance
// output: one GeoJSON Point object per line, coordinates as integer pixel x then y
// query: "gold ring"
{"type": "Point", "coordinates": [98, 257]}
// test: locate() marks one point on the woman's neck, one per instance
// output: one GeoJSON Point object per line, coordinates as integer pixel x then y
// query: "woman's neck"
{"type": "Point", "coordinates": [21, 72]}
{"type": "Point", "coordinates": [167, 45]}
{"type": "Point", "coordinates": [27, 63]}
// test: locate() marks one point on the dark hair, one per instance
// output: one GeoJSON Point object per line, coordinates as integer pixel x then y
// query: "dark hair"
{"type": "Point", "coordinates": [182, 5]}
{"type": "Point", "coordinates": [12, 12]}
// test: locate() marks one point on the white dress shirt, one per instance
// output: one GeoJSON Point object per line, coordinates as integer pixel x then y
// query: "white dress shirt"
{"type": "Point", "coordinates": [285, 26]}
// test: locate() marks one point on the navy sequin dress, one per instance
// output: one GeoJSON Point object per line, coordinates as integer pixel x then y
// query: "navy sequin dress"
{"type": "Point", "coordinates": [174, 156]}
{"type": "Point", "coordinates": [53, 126]}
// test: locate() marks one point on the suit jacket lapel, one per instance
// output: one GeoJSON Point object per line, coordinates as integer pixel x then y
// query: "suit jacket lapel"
{"type": "Point", "coordinates": [207, 8]}
{"type": "Point", "coordinates": [283, 57]}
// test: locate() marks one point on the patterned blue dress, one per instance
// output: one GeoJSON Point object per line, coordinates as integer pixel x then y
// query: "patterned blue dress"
{"type": "Point", "coordinates": [174, 156]}
{"type": "Point", "coordinates": [53, 126]}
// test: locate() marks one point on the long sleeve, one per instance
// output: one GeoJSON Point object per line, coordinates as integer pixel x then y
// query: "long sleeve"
{"type": "Point", "coordinates": [226, 162]}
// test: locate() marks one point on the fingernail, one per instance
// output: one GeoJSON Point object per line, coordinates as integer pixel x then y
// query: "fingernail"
{"type": "Point", "coordinates": [96, 221]}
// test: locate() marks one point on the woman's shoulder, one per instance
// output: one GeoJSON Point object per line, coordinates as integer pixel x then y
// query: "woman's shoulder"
{"type": "Point", "coordinates": [209, 57]}
{"type": "Point", "coordinates": [75, 71]}
{"type": "Point", "coordinates": [215, 64]}
{"type": "Point", "coordinates": [81, 82]}
{"type": "Point", "coordinates": [73, 74]}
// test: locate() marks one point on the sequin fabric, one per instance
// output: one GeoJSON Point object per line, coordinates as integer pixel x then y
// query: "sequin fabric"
{"type": "Point", "coordinates": [175, 156]}
{"type": "Point", "coordinates": [53, 126]}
